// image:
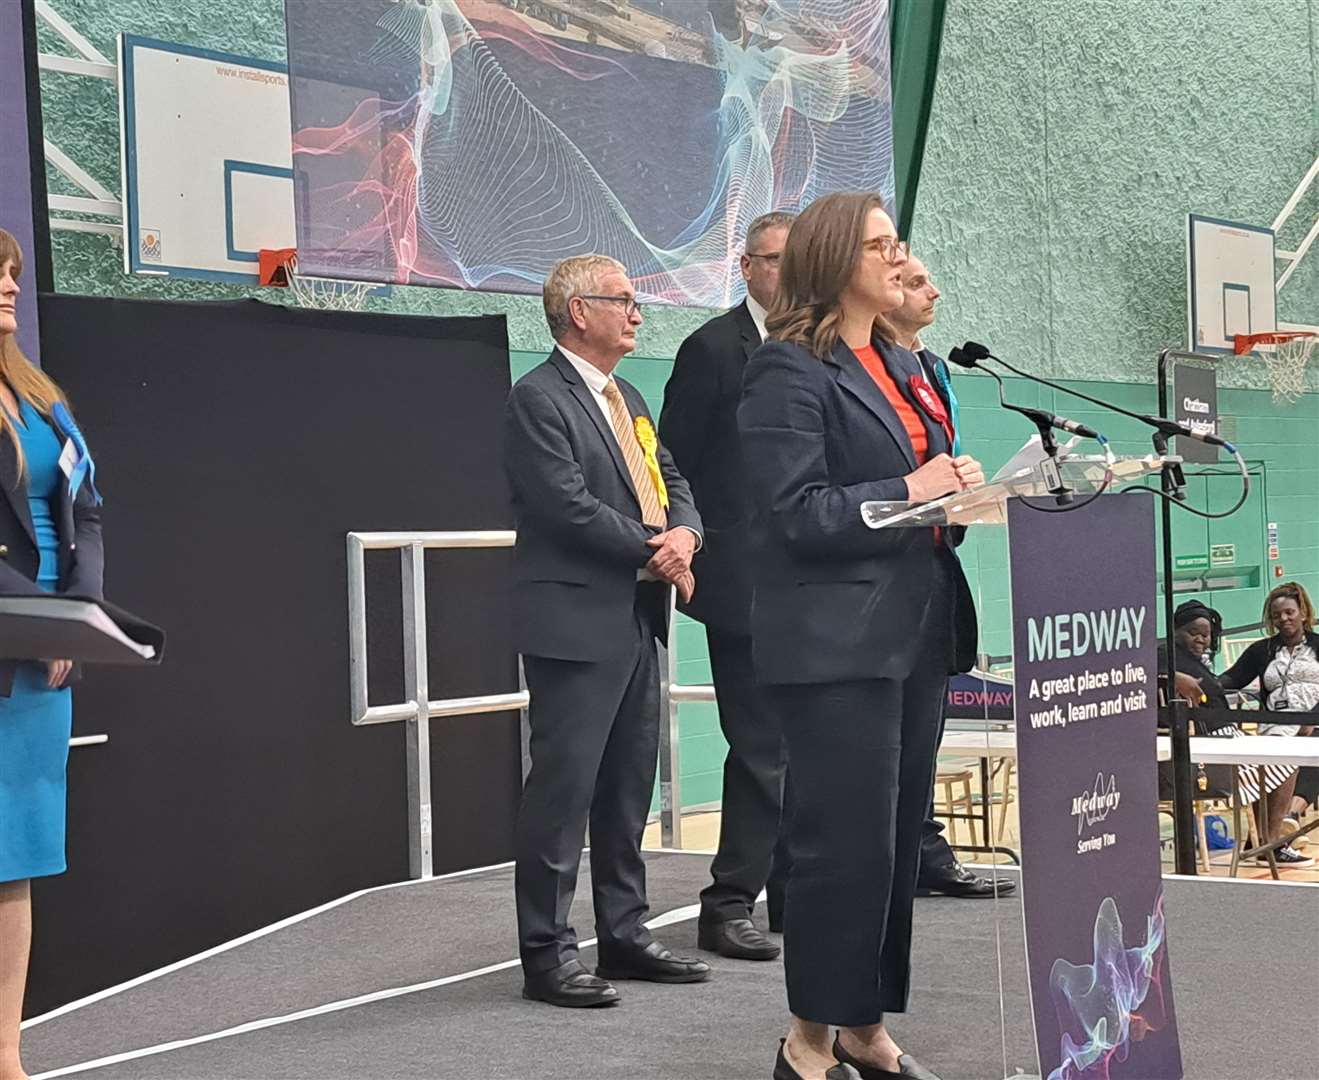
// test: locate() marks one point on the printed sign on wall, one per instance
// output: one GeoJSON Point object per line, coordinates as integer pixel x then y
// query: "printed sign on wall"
{"type": "Point", "coordinates": [1092, 892]}
{"type": "Point", "coordinates": [1195, 390]}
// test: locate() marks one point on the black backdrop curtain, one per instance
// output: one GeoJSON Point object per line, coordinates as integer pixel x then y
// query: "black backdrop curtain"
{"type": "Point", "coordinates": [236, 445]}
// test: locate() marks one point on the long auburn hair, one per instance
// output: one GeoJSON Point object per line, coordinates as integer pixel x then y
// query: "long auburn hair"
{"type": "Point", "coordinates": [819, 259]}
{"type": "Point", "coordinates": [28, 382]}
{"type": "Point", "coordinates": [1289, 590]}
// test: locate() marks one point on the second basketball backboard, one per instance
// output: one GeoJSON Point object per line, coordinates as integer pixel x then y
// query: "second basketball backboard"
{"type": "Point", "coordinates": [207, 160]}
{"type": "Point", "coordinates": [1230, 282]}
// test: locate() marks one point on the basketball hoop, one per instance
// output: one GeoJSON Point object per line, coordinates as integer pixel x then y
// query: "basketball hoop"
{"type": "Point", "coordinates": [1287, 355]}
{"type": "Point", "coordinates": [279, 267]}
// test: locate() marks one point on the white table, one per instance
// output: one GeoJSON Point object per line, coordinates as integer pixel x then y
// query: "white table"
{"type": "Point", "coordinates": [1289, 751]}
{"type": "Point", "coordinates": [1285, 750]}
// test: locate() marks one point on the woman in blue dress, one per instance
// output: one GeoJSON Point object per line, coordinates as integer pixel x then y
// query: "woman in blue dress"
{"type": "Point", "coordinates": [50, 539]}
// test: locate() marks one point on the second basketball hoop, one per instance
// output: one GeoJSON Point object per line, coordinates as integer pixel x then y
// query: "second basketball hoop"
{"type": "Point", "coordinates": [1287, 354]}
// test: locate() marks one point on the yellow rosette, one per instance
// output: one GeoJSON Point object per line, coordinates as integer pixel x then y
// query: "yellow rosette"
{"type": "Point", "coordinates": [649, 444]}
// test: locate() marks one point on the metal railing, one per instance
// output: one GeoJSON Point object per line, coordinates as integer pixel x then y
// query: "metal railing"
{"type": "Point", "coordinates": [418, 710]}
{"type": "Point", "coordinates": [673, 694]}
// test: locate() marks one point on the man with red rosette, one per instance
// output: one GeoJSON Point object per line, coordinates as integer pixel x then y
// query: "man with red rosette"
{"type": "Point", "coordinates": [940, 871]}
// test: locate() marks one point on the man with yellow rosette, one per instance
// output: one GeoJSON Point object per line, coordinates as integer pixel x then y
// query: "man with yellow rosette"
{"type": "Point", "coordinates": [605, 524]}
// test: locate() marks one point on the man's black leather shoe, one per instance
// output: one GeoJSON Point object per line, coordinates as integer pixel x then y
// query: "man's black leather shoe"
{"type": "Point", "coordinates": [738, 939]}
{"type": "Point", "coordinates": [569, 985]}
{"type": "Point", "coordinates": [654, 963]}
{"type": "Point", "coordinates": [958, 881]}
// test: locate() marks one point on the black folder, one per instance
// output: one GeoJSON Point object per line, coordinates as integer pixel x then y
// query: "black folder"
{"type": "Point", "coordinates": [75, 628]}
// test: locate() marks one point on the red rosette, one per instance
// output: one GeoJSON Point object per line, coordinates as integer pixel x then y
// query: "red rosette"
{"type": "Point", "coordinates": [929, 400]}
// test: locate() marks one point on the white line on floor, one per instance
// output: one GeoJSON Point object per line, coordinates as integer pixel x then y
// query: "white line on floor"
{"type": "Point", "coordinates": [677, 915]}
{"type": "Point", "coordinates": [1243, 880]}
{"type": "Point", "coordinates": [292, 920]}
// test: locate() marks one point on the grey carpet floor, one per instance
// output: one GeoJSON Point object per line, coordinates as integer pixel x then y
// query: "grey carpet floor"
{"type": "Point", "coordinates": [1237, 950]}
{"type": "Point", "coordinates": [394, 937]}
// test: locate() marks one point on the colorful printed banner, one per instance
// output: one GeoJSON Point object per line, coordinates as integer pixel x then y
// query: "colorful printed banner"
{"type": "Point", "coordinates": [473, 143]}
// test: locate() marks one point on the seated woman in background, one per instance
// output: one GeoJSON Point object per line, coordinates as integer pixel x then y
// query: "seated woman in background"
{"type": "Point", "coordinates": [1197, 629]}
{"type": "Point", "coordinates": [1286, 663]}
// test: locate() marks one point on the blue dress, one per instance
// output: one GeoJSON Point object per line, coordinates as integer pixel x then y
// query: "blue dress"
{"type": "Point", "coordinates": [35, 721]}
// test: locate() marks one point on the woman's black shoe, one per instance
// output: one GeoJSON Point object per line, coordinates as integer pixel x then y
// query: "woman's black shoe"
{"type": "Point", "coordinates": [783, 1069]}
{"type": "Point", "coordinates": [908, 1067]}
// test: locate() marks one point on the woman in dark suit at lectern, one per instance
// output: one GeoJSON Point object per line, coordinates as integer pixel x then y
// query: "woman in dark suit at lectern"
{"type": "Point", "coordinates": [854, 630]}
{"type": "Point", "coordinates": [50, 539]}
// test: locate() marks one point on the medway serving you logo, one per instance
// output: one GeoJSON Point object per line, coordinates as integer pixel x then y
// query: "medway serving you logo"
{"type": "Point", "coordinates": [1091, 807]}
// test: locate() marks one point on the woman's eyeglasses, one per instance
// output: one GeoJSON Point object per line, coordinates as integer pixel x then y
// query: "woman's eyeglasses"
{"type": "Point", "coordinates": [889, 247]}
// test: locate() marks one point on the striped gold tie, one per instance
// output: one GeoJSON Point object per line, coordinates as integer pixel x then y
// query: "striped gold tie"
{"type": "Point", "coordinates": [652, 513]}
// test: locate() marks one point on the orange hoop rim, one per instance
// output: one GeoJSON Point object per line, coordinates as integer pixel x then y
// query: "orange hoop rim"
{"type": "Point", "coordinates": [1244, 343]}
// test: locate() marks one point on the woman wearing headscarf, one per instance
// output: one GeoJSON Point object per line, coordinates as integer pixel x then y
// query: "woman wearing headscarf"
{"type": "Point", "coordinates": [1197, 632]}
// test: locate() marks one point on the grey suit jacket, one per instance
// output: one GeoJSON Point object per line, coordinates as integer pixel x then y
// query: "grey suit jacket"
{"type": "Point", "coordinates": [580, 539]}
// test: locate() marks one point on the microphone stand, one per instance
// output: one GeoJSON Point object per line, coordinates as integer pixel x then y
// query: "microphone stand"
{"type": "Point", "coordinates": [1179, 724]}
{"type": "Point", "coordinates": [1173, 485]}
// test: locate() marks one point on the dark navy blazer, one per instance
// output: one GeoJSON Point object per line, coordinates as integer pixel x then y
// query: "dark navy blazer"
{"type": "Point", "coordinates": [580, 539]}
{"type": "Point", "coordinates": [835, 600]}
{"type": "Point", "coordinates": [699, 426]}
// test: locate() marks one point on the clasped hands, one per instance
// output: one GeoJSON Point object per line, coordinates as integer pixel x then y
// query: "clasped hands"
{"type": "Point", "coordinates": [56, 672]}
{"type": "Point", "coordinates": [672, 561]}
{"type": "Point", "coordinates": [942, 475]}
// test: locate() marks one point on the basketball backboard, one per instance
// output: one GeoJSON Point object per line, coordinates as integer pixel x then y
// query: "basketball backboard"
{"type": "Point", "coordinates": [206, 158]}
{"type": "Point", "coordinates": [1230, 282]}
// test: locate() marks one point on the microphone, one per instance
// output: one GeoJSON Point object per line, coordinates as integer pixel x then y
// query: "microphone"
{"type": "Point", "coordinates": [967, 355]}
{"type": "Point", "coordinates": [1072, 426]}
{"type": "Point", "coordinates": [970, 355]}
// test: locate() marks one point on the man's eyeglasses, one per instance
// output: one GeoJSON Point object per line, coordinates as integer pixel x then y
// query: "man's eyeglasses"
{"type": "Point", "coordinates": [772, 258]}
{"type": "Point", "coordinates": [889, 247]}
{"type": "Point", "coordinates": [630, 305]}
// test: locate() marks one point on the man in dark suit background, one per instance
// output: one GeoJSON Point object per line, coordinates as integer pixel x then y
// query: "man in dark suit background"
{"type": "Point", "coordinates": [605, 524]}
{"type": "Point", "coordinates": [939, 869]}
{"type": "Point", "coordinates": [699, 426]}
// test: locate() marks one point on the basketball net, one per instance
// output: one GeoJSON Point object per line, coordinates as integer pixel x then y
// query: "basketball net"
{"type": "Point", "coordinates": [1287, 353]}
{"type": "Point", "coordinates": [279, 267]}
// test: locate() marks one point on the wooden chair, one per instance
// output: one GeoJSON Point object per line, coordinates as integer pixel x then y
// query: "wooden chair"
{"type": "Point", "coordinates": [1000, 793]}
{"type": "Point", "coordinates": [1220, 806]}
{"type": "Point", "coordinates": [955, 806]}
{"type": "Point", "coordinates": [1232, 649]}
{"type": "Point", "coordinates": [1202, 808]}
